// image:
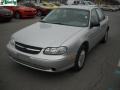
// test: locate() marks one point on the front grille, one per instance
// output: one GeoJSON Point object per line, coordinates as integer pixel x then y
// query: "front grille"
{"type": "Point", "coordinates": [27, 48]}
{"type": "Point", "coordinates": [30, 64]}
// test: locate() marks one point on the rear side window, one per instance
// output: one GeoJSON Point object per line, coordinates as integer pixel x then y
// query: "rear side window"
{"type": "Point", "coordinates": [100, 14]}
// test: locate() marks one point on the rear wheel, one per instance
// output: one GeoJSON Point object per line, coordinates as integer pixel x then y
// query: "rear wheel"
{"type": "Point", "coordinates": [105, 38]}
{"type": "Point", "coordinates": [39, 13]}
{"type": "Point", "coordinates": [17, 15]}
{"type": "Point", "coordinates": [80, 59]}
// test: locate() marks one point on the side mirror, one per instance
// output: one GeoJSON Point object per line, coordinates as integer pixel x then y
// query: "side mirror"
{"type": "Point", "coordinates": [94, 24]}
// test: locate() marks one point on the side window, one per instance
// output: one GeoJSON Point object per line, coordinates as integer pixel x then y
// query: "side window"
{"type": "Point", "coordinates": [89, 3]}
{"type": "Point", "coordinates": [94, 16]}
{"type": "Point", "coordinates": [100, 14]}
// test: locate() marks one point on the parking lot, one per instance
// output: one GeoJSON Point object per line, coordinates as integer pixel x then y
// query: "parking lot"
{"type": "Point", "coordinates": [97, 74]}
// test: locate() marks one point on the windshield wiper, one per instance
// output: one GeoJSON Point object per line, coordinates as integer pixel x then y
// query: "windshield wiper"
{"type": "Point", "coordinates": [43, 21]}
{"type": "Point", "coordinates": [58, 23]}
{"type": "Point", "coordinates": [52, 23]}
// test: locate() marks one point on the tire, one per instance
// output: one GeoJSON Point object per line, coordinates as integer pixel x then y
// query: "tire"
{"type": "Point", "coordinates": [105, 38]}
{"type": "Point", "coordinates": [80, 59]}
{"type": "Point", "coordinates": [17, 15]}
{"type": "Point", "coordinates": [9, 19]}
{"type": "Point", "coordinates": [39, 13]}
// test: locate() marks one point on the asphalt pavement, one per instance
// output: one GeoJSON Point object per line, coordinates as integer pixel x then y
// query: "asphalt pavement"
{"type": "Point", "coordinates": [97, 74]}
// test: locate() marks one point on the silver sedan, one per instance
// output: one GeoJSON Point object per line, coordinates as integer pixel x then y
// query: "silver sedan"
{"type": "Point", "coordinates": [61, 40]}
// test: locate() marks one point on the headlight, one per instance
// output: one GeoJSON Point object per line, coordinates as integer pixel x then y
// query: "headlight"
{"type": "Point", "coordinates": [55, 50]}
{"type": "Point", "coordinates": [12, 42]}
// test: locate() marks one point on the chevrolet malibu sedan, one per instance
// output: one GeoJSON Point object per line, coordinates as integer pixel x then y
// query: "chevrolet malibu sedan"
{"type": "Point", "coordinates": [61, 40]}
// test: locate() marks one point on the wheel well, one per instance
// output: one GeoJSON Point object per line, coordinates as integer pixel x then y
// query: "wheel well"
{"type": "Point", "coordinates": [86, 46]}
{"type": "Point", "coordinates": [17, 12]}
{"type": "Point", "coordinates": [108, 28]}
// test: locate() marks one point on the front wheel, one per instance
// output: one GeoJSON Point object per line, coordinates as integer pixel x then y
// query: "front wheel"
{"type": "Point", "coordinates": [80, 59]}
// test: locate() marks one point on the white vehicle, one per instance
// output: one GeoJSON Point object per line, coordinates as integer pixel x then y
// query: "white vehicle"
{"type": "Point", "coordinates": [74, 2]}
{"type": "Point", "coordinates": [61, 40]}
{"type": "Point", "coordinates": [109, 7]}
{"type": "Point", "coordinates": [88, 3]}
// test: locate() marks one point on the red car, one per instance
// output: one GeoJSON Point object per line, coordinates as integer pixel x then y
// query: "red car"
{"type": "Point", "coordinates": [40, 10]}
{"type": "Point", "coordinates": [22, 11]}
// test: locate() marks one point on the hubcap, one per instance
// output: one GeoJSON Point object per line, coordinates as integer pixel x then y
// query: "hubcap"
{"type": "Point", "coordinates": [81, 58]}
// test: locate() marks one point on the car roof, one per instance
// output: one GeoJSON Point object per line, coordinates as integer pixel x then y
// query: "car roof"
{"type": "Point", "coordinates": [85, 7]}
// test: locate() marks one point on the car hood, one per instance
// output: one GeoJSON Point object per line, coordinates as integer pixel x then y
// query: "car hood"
{"type": "Point", "coordinates": [45, 35]}
{"type": "Point", "coordinates": [25, 8]}
{"type": "Point", "coordinates": [3, 10]}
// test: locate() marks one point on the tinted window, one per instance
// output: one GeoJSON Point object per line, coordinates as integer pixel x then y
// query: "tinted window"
{"type": "Point", "coordinates": [100, 14]}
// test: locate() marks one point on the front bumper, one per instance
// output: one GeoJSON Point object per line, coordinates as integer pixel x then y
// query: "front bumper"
{"type": "Point", "coordinates": [6, 18]}
{"type": "Point", "coordinates": [49, 63]}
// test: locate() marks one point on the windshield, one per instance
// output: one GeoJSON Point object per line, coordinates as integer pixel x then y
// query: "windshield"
{"type": "Point", "coordinates": [68, 16]}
